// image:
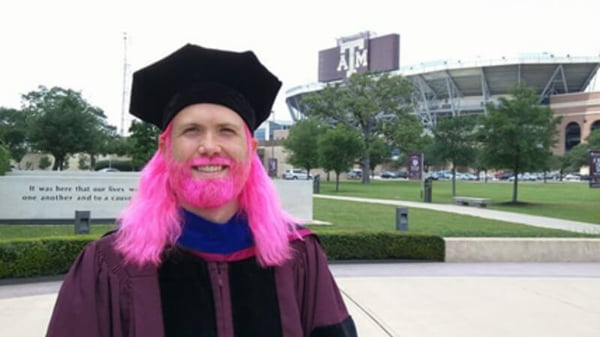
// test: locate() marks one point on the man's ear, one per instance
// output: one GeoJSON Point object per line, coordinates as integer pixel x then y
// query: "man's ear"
{"type": "Point", "coordinates": [162, 146]}
{"type": "Point", "coordinates": [254, 144]}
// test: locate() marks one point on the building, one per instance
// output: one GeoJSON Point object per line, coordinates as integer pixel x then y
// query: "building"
{"type": "Point", "coordinates": [580, 114]}
{"type": "Point", "coordinates": [456, 87]}
{"type": "Point", "coordinates": [268, 129]}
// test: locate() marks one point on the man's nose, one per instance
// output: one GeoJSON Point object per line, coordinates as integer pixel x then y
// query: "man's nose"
{"type": "Point", "coordinates": [209, 146]}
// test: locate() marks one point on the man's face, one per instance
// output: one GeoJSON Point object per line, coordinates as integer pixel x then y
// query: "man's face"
{"type": "Point", "coordinates": [208, 159]}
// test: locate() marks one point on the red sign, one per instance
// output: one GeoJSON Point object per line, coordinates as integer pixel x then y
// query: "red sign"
{"type": "Point", "coordinates": [415, 166]}
{"type": "Point", "coordinates": [359, 54]}
{"type": "Point", "coordinates": [272, 169]}
{"type": "Point", "coordinates": [595, 169]}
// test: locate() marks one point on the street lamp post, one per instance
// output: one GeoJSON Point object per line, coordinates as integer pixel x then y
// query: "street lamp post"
{"type": "Point", "coordinates": [271, 135]}
{"type": "Point", "coordinates": [272, 160]}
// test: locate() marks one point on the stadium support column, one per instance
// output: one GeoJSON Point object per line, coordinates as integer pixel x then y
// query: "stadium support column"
{"type": "Point", "coordinates": [422, 104]}
{"type": "Point", "coordinates": [485, 91]}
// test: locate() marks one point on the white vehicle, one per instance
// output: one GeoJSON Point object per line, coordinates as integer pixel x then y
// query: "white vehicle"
{"type": "Point", "coordinates": [354, 174]}
{"type": "Point", "coordinates": [572, 177]}
{"type": "Point", "coordinates": [108, 169]}
{"type": "Point", "coordinates": [296, 174]}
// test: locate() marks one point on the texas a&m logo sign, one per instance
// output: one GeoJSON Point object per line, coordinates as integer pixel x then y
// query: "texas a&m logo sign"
{"type": "Point", "coordinates": [359, 53]}
{"type": "Point", "coordinates": [353, 55]}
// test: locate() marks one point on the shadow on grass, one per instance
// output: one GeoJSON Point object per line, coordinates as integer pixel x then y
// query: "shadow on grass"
{"type": "Point", "coordinates": [519, 204]}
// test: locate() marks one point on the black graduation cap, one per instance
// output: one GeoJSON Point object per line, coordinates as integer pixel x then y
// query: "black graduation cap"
{"type": "Point", "coordinates": [194, 74]}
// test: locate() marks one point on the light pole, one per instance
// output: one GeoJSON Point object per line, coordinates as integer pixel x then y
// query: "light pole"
{"type": "Point", "coordinates": [272, 135]}
{"type": "Point", "coordinates": [272, 160]}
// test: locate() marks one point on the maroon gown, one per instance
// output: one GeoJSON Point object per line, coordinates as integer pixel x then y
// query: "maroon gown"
{"type": "Point", "coordinates": [189, 295]}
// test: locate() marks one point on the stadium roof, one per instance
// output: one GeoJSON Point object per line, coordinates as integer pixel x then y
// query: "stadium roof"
{"type": "Point", "coordinates": [452, 81]}
{"type": "Point", "coordinates": [547, 74]}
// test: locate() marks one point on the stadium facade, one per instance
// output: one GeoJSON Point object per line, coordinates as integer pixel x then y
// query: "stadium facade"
{"type": "Point", "coordinates": [455, 87]}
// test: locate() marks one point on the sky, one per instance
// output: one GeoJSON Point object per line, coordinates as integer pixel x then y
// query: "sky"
{"type": "Point", "coordinates": [80, 44]}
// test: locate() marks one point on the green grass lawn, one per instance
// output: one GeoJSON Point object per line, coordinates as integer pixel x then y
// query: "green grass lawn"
{"type": "Point", "coordinates": [566, 200]}
{"type": "Point", "coordinates": [11, 232]}
{"type": "Point", "coordinates": [355, 216]}
{"type": "Point", "coordinates": [574, 201]}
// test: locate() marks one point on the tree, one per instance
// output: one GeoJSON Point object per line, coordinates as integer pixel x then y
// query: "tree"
{"type": "Point", "coordinates": [302, 144]}
{"type": "Point", "coordinates": [380, 153]}
{"type": "Point", "coordinates": [406, 134]}
{"type": "Point", "coordinates": [578, 156]}
{"type": "Point", "coordinates": [431, 158]}
{"type": "Point", "coordinates": [517, 134]}
{"type": "Point", "coordinates": [143, 141]}
{"type": "Point", "coordinates": [4, 160]}
{"type": "Point", "coordinates": [62, 122]}
{"type": "Point", "coordinates": [454, 142]}
{"type": "Point", "coordinates": [13, 132]}
{"type": "Point", "coordinates": [104, 137]}
{"type": "Point", "coordinates": [555, 162]}
{"type": "Point", "coordinates": [120, 145]}
{"type": "Point", "coordinates": [365, 102]}
{"type": "Point", "coordinates": [594, 139]}
{"type": "Point", "coordinates": [338, 149]}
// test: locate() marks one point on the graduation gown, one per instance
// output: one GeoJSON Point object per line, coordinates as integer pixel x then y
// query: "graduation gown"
{"type": "Point", "coordinates": [190, 295]}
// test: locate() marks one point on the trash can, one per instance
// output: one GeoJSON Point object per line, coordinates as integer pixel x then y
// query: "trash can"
{"type": "Point", "coordinates": [317, 184]}
{"type": "Point", "coordinates": [427, 187]}
{"type": "Point", "coordinates": [402, 219]}
{"type": "Point", "coordinates": [82, 222]}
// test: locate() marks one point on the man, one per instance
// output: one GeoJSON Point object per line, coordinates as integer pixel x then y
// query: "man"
{"type": "Point", "coordinates": [204, 248]}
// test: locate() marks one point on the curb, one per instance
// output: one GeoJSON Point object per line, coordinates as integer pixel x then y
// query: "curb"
{"type": "Point", "coordinates": [522, 250]}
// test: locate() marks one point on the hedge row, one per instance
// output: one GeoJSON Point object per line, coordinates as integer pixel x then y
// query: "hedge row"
{"type": "Point", "coordinates": [39, 257]}
{"type": "Point", "coordinates": [121, 165]}
{"type": "Point", "coordinates": [382, 246]}
{"type": "Point", "coordinates": [53, 256]}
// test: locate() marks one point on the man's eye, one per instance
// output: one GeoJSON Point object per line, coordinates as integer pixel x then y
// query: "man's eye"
{"type": "Point", "coordinates": [191, 129]}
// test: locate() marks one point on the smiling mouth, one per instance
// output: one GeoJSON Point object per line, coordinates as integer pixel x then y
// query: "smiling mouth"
{"type": "Point", "coordinates": [210, 168]}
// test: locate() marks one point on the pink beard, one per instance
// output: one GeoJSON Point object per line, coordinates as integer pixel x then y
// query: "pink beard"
{"type": "Point", "coordinates": [206, 193]}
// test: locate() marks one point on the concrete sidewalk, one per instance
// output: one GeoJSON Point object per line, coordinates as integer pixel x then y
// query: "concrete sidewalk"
{"type": "Point", "coordinates": [411, 299]}
{"type": "Point", "coordinates": [464, 300]}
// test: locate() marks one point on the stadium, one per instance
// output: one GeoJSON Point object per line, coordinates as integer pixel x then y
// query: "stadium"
{"type": "Point", "coordinates": [457, 87]}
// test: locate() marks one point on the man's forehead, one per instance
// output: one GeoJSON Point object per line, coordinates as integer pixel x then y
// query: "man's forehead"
{"type": "Point", "coordinates": [203, 113]}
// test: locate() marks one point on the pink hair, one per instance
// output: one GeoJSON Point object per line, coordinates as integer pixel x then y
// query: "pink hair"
{"type": "Point", "coordinates": [152, 220]}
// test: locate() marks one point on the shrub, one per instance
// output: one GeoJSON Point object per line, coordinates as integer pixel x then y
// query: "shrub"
{"type": "Point", "coordinates": [45, 162]}
{"type": "Point", "coordinates": [39, 257]}
{"type": "Point", "coordinates": [382, 246]}
{"type": "Point", "coordinates": [84, 162]}
{"type": "Point", "coordinates": [121, 165]}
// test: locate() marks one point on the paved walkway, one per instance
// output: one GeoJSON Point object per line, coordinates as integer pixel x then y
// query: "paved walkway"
{"type": "Point", "coordinates": [532, 220]}
{"type": "Point", "coordinates": [408, 299]}
{"type": "Point", "coordinates": [467, 300]}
